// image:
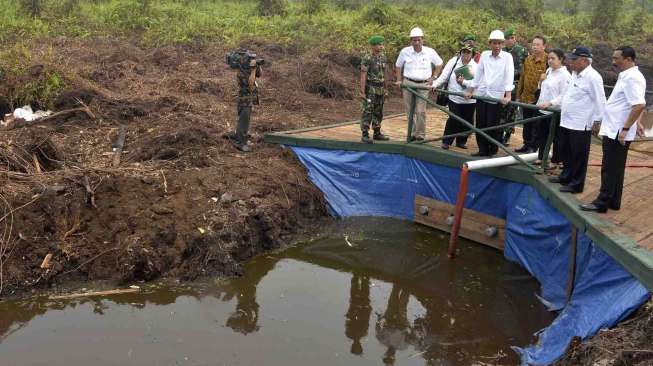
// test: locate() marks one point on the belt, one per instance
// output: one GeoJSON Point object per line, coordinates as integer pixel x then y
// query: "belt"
{"type": "Point", "coordinates": [417, 81]}
{"type": "Point", "coordinates": [375, 84]}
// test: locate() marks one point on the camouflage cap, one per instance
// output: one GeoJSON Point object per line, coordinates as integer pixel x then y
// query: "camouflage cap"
{"type": "Point", "coordinates": [376, 40]}
{"type": "Point", "coordinates": [469, 37]}
{"type": "Point", "coordinates": [510, 32]}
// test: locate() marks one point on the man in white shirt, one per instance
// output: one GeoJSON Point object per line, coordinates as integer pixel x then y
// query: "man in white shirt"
{"type": "Point", "coordinates": [582, 107]}
{"type": "Point", "coordinates": [618, 129]}
{"type": "Point", "coordinates": [494, 78]}
{"type": "Point", "coordinates": [416, 66]}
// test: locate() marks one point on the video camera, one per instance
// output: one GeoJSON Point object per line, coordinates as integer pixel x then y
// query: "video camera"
{"type": "Point", "coordinates": [240, 59]}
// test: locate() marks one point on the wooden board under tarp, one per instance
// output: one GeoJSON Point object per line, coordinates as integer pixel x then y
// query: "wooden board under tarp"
{"type": "Point", "coordinates": [474, 224]}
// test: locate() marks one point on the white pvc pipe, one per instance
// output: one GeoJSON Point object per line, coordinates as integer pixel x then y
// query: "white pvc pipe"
{"type": "Point", "coordinates": [497, 162]}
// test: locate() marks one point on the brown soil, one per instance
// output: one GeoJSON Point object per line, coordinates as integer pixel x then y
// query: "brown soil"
{"type": "Point", "coordinates": [183, 202]}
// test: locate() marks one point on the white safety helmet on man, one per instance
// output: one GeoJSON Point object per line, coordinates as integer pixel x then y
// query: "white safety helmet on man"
{"type": "Point", "coordinates": [416, 32]}
{"type": "Point", "coordinates": [497, 35]}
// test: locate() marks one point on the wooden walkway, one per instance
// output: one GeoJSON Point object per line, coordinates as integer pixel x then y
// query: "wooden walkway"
{"type": "Point", "coordinates": [633, 220]}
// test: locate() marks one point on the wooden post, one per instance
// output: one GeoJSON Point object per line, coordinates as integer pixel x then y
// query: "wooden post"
{"type": "Point", "coordinates": [458, 215]}
{"type": "Point", "coordinates": [120, 143]}
{"type": "Point", "coordinates": [573, 249]}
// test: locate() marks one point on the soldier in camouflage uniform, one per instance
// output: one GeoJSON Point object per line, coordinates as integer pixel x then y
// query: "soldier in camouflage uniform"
{"type": "Point", "coordinates": [247, 98]}
{"type": "Point", "coordinates": [373, 90]}
{"type": "Point", "coordinates": [519, 54]}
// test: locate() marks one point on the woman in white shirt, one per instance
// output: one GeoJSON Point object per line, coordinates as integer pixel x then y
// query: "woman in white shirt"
{"type": "Point", "coordinates": [459, 106]}
{"type": "Point", "coordinates": [552, 88]}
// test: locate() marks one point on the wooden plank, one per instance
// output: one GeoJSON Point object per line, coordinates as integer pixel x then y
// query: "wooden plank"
{"type": "Point", "coordinates": [473, 224]}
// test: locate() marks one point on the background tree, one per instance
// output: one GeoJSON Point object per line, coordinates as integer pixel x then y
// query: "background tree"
{"type": "Point", "coordinates": [272, 7]}
{"type": "Point", "coordinates": [605, 15]}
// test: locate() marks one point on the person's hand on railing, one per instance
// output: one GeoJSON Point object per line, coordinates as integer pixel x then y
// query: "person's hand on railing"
{"type": "Point", "coordinates": [544, 105]}
{"type": "Point", "coordinates": [398, 83]}
{"type": "Point", "coordinates": [468, 93]}
{"type": "Point", "coordinates": [505, 100]}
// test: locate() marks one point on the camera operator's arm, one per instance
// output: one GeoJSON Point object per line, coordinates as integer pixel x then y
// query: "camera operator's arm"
{"type": "Point", "coordinates": [252, 74]}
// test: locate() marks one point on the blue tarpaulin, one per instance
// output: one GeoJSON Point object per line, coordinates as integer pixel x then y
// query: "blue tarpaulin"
{"type": "Point", "coordinates": [537, 236]}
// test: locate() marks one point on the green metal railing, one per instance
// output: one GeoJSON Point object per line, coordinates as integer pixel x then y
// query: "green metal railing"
{"type": "Point", "coordinates": [555, 117]}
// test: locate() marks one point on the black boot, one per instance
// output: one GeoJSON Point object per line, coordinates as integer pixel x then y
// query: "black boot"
{"type": "Point", "coordinates": [366, 138]}
{"type": "Point", "coordinates": [379, 136]}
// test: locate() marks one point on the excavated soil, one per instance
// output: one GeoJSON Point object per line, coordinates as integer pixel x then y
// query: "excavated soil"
{"type": "Point", "coordinates": [182, 202]}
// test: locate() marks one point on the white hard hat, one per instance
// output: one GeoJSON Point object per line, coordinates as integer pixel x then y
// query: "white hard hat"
{"type": "Point", "coordinates": [497, 35]}
{"type": "Point", "coordinates": [416, 32]}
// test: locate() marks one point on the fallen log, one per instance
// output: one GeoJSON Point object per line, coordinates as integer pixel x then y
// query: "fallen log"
{"type": "Point", "coordinates": [95, 293]}
{"type": "Point", "coordinates": [18, 123]}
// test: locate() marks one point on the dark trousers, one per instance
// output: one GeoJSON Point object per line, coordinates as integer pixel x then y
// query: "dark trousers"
{"type": "Point", "coordinates": [466, 112]}
{"type": "Point", "coordinates": [613, 168]}
{"type": "Point", "coordinates": [528, 129]}
{"type": "Point", "coordinates": [244, 116]}
{"type": "Point", "coordinates": [487, 115]}
{"type": "Point", "coordinates": [541, 136]}
{"type": "Point", "coordinates": [575, 152]}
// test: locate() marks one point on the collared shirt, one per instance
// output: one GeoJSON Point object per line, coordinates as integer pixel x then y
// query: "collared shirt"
{"type": "Point", "coordinates": [583, 101]}
{"type": "Point", "coordinates": [453, 85]}
{"type": "Point", "coordinates": [630, 90]}
{"type": "Point", "coordinates": [554, 86]}
{"type": "Point", "coordinates": [417, 65]}
{"type": "Point", "coordinates": [529, 78]}
{"type": "Point", "coordinates": [494, 75]}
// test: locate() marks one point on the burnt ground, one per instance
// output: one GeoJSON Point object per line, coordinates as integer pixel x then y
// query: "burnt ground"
{"type": "Point", "coordinates": [183, 202]}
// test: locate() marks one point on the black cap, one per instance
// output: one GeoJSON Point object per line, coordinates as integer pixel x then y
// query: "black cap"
{"type": "Point", "coordinates": [580, 51]}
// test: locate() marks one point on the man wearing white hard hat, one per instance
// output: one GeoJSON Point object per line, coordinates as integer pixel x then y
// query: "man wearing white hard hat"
{"type": "Point", "coordinates": [417, 66]}
{"type": "Point", "coordinates": [494, 78]}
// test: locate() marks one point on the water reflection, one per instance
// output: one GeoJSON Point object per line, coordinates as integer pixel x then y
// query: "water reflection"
{"type": "Point", "coordinates": [405, 303]}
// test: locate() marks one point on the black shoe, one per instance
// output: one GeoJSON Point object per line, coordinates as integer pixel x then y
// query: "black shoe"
{"type": "Point", "coordinates": [243, 148]}
{"type": "Point", "coordinates": [380, 137]}
{"type": "Point", "coordinates": [366, 139]}
{"type": "Point", "coordinates": [445, 146]}
{"type": "Point", "coordinates": [614, 207]}
{"type": "Point", "coordinates": [417, 138]}
{"type": "Point", "coordinates": [568, 189]}
{"type": "Point", "coordinates": [523, 149]}
{"type": "Point", "coordinates": [557, 180]}
{"type": "Point", "coordinates": [479, 154]}
{"type": "Point", "coordinates": [593, 207]}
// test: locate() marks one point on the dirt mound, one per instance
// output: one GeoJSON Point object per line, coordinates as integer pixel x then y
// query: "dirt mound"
{"type": "Point", "coordinates": [187, 143]}
{"type": "Point", "coordinates": [629, 344]}
{"type": "Point", "coordinates": [322, 77]}
{"type": "Point", "coordinates": [32, 152]}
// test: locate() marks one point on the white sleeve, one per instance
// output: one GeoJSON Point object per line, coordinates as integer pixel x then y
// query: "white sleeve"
{"type": "Point", "coordinates": [509, 81]}
{"type": "Point", "coordinates": [478, 75]}
{"type": "Point", "coordinates": [598, 94]}
{"type": "Point", "coordinates": [564, 84]}
{"type": "Point", "coordinates": [635, 91]}
{"type": "Point", "coordinates": [436, 59]}
{"type": "Point", "coordinates": [401, 59]}
{"type": "Point", "coordinates": [444, 74]}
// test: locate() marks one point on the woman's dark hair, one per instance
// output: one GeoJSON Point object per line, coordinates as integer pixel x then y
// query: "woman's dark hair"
{"type": "Point", "coordinates": [560, 53]}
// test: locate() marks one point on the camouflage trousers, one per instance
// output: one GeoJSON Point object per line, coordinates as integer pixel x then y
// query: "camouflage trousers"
{"type": "Point", "coordinates": [372, 112]}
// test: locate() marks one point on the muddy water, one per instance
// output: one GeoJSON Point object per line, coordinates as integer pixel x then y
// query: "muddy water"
{"type": "Point", "coordinates": [373, 292]}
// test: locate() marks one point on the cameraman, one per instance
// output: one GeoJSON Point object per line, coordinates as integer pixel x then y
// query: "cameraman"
{"type": "Point", "coordinates": [247, 97]}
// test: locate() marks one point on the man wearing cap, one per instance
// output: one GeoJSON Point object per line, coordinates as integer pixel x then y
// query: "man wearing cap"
{"type": "Point", "coordinates": [470, 40]}
{"type": "Point", "coordinates": [618, 129]}
{"type": "Point", "coordinates": [519, 54]}
{"type": "Point", "coordinates": [416, 66]}
{"type": "Point", "coordinates": [494, 78]}
{"type": "Point", "coordinates": [534, 66]}
{"type": "Point", "coordinates": [373, 88]}
{"type": "Point", "coordinates": [582, 107]}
